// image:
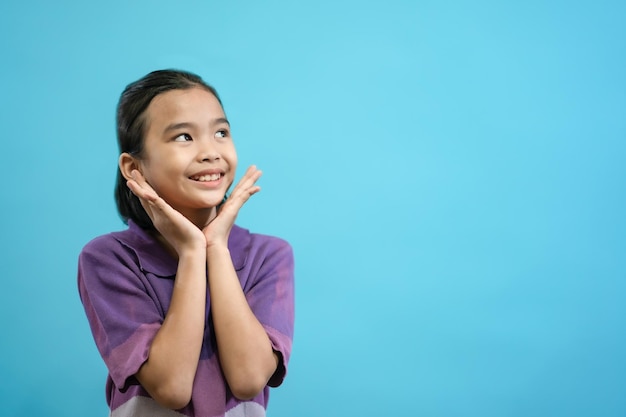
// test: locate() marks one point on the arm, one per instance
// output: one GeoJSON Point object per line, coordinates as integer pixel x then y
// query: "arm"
{"type": "Point", "coordinates": [168, 373]}
{"type": "Point", "coordinates": [245, 350]}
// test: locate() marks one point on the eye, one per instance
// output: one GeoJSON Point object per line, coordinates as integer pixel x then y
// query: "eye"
{"type": "Point", "coordinates": [183, 137]}
{"type": "Point", "coordinates": [222, 133]}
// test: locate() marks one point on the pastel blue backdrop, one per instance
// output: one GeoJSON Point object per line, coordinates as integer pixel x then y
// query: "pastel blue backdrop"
{"type": "Point", "coordinates": [450, 173]}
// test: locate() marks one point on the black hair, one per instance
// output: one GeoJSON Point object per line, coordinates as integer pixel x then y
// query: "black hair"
{"type": "Point", "coordinates": [131, 129]}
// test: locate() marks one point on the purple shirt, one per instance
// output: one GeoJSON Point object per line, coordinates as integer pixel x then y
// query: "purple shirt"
{"type": "Point", "coordinates": [125, 280]}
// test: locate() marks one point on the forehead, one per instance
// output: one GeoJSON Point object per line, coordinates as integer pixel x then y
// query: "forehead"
{"type": "Point", "coordinates": [190, 105]}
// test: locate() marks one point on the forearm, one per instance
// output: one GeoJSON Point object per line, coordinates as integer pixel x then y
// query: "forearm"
{"type": "Point", "coordinates": [245, 351]}
{"type": "Point", "coordinates": [169, 371]}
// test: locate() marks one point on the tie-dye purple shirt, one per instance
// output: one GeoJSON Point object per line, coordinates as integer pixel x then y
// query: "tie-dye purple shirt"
{"type": "Point", "coordinates": [125, 280]}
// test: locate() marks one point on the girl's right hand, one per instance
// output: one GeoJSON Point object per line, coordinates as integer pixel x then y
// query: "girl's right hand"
{"type": "Point", "coordinates": [177, 230]}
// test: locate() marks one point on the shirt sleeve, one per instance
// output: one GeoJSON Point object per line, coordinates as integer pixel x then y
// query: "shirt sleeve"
{"type": "Point", "coordinates": [123, 316]}
{"type": "Point", "coordinates": [271, 298]}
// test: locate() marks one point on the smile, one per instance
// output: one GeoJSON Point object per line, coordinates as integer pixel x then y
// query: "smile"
{"type": "Point", "coordinates": [206, 178]}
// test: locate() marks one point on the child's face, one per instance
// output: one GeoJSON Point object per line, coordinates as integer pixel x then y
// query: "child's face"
{"type": "Point", "coordinates": [189, 156]}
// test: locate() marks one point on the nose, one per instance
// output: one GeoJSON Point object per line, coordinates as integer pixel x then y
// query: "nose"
{"type": "Point", "coordinates": [207, 150]}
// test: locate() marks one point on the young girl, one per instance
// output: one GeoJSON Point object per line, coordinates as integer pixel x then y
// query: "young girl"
{"type": "Point", "coordinates": [192, 314]}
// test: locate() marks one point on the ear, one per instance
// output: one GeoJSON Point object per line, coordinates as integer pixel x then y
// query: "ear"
{"type": "Point", "coordinates": [128, 164]}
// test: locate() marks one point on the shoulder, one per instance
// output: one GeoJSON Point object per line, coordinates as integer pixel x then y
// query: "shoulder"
{"type": "Point", "coordinates": [240, 236]}
{"type": "Point", "coordinates": [246, 246]}
{"type": "Point", "coordinates": [132, 239]}
{"type": "Point", "coordinates": [133, 246]}
{"type": "Point", "coordinates": [105, 255]}
{"type": "Point", "coordinates": [108, 243]}
{"type": "Point", "coordinates": [242, 239]}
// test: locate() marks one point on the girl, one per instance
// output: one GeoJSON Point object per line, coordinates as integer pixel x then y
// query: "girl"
{"type": "Point", "coordinates": [192, 314]}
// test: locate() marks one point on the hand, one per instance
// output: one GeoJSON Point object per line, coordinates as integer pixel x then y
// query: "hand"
{"type": "Point", "coordinates": [177, 230]}
{"type": "Point", "coordinates": [217, 231]}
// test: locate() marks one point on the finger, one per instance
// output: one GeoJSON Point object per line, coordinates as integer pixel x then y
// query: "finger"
{"type": "Point", "coordinates": [143, 193]}
{"type": "Point", "coordinates": [148, 197]}
{"type": "Point", "coordinates": [147, 201]}
{"type": "Point", "coordinates": [244, 190]}
{"type": "Point", "coordinates": [236, 201]}
{"type": "Point", "coordinates": [252, 174]}
{"type": "Point", "coordinates": [250, 177]}
{"type": "Point", "coordinates": [142, 183]}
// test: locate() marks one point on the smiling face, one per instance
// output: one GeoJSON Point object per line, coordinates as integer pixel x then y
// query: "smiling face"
{"type": "Point", "coordinates": [189, 157]}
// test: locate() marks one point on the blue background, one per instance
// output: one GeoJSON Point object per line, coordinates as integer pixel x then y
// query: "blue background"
{"type": "Point", "coordinates": [450, 174]}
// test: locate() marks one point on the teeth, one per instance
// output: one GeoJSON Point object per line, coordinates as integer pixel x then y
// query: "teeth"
{"type": "Point", "coordinates": [210, 177]}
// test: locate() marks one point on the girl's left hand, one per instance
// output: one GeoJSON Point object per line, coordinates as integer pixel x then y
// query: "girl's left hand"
{"type": "Point", "coordinates": [217, 231]}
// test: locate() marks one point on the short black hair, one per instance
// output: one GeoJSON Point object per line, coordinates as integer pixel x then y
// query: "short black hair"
{"type": "Point", "coordinates": [131, 129]}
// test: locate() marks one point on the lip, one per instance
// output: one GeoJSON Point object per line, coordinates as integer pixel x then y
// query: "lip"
{"type": "Point", "coordinates": [208, 184]}
{"type": "Point", "coordinates": [207, 172]}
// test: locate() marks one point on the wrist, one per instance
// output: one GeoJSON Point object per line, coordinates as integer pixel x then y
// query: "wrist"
{"type": "Point", "coordinates": [217, 248]}
{"type": "Point", "coordinates": [191, 252]}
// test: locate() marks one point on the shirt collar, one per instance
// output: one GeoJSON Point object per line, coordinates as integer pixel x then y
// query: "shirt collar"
{"type": "Point", "coordinates": [152, 256]}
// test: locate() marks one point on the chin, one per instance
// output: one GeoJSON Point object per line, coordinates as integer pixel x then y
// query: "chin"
{"type": "Point", "coordinates": [212, 203]}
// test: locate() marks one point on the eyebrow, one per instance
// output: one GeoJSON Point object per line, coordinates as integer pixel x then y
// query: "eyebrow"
{"type": "Point", "coordinates": [187, 125]}
{"type": "Point", "coordinates": [221, 120]}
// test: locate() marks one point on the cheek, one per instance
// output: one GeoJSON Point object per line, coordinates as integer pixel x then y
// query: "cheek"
{"type": "Point", "coordinates": [233, 157]}
{"type": "Point", "coordinates": [233, 163]}
{"type": "Point", "coordinates": [229, 155]}
{"type": "Point", "coordinates": [155, 174]}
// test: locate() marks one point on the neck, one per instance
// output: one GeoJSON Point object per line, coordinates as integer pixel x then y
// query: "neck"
{"type": "Point", "coordinates": [200, 218]}
{"type": "Point", "coordinates": [168, 247]}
